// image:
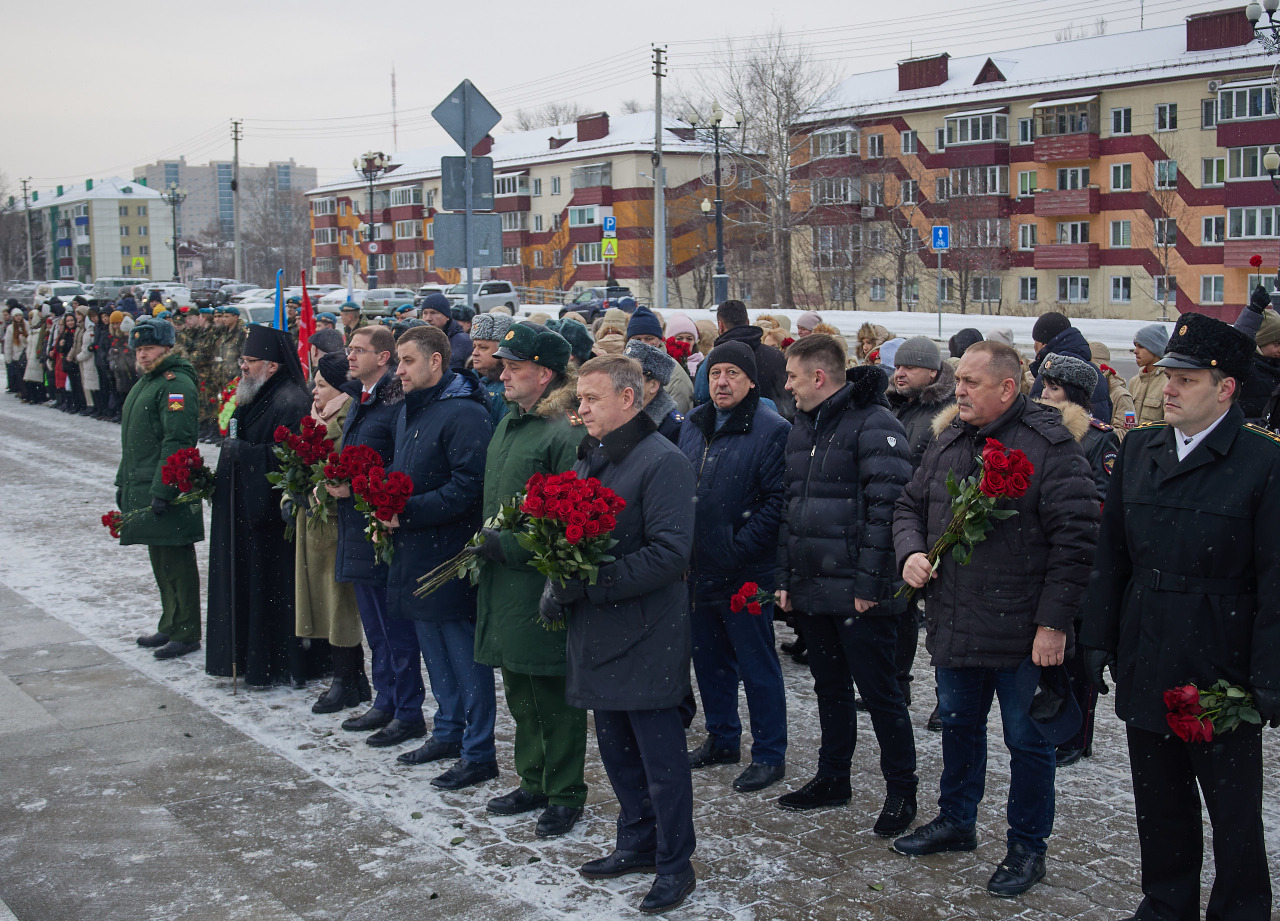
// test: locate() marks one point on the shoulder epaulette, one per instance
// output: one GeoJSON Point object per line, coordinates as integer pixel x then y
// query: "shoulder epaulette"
{"type": "Point", "coordinates": [1100, 425]}
{"type": "Point", "coordinates": [1259, 430]}
{"type": "Point", "coordinates": [675, 414]}
{"type": "Point", "coordinates": [574, 418]}
{"type": "Point", "coordinates": [1150, 425]}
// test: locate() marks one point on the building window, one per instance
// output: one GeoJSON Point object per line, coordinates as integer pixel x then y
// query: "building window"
{"type": "Point", "coordinates": [430, 201]}
{"type": "Point", "coordinates": [142, 210]}
{"type": "Point", "coordinates": [142, 251]}
{"type": "Point", "coordinates": [556, 221]}
{"type": "Point", "coordinates": [1071, 232]}
{"type": "Point", "coordinates": [1166, 288]}
{"type": "Point", "coordinates": [834, 245]}
{"type": "Point", "coordinates": [979, 180]}
{"type": "Point", "coordinates": [1076, 177]}
{"type": "Point", "coordinates": [1026, 236]}
{"type": "Point", "coordinates": [1122, 121]}
{"type": "Point", "coordinates": [1245, 163]}
{"type": "Point", "coordinates": [583, 217]}
{"type": "Point", "coordinates": [947, 289]}
{"type": "Point", "coordinates": [834, 190]}
{"type": "Point", "coordinates": [879, 289]}
{"type": "Point", "coordinates": [1167, 116]}
{"type": "Point", "coordinates": [537, 223]}
{"type": "Point", "coordinates": [1268, 282]}
{"type": "Point", "coordinates": [324, 264]}
{"type": "Point", "coordinates": [1120, 234]}
{"type": "Point", "coordinates": [875, 146]}
{"type": "Point", "coordinates": [324, 206]}
{"type": "Point", "coordinates": [431, 262]}
{"type": "Point", "coordinates": [515, 220]}
{"type": "Point", "coordinates": [1212, 231]}
{"type": "Point", "coordinates": [979, 233]}
{"type": "Point", "coordinates": [1211, 289]}
{"type": "Point", "coordinates": [408, 260]}
{"type": "Point", "coordinates": [1026, 130]}
{"type": "Point", "coordinates": [126, 270]}
{"type": "Point", "coordinates": [406, 195]}
{"type": "Point", "coordinates": [124, 210]}
{"type": "Point", "coordinates": [744, 290]}
{"type": "Point", "coordinates": [910, 191]}
{"type": "Point", "coordinates": [1027, 183]}
{"type": "Point", "coordinates": [940, 139]}
{"type": "Point", "coordinates": [325, 235]}
{"type": "Point", "coordinates": [537, 258]}
{"type": "Point", "coordinates": [1121, 177]}
{"type": "Point", "coordinates": [408, 230]}
{"type": "Point", "coordinates": [1028, 289]}
{"type": "Point", "coordinates": [910, 143]}
{"type": "Point", "coordinates": [555, 185]}
{"type": "Point", "coordinates": [984, 288]}
{"type": "Point", "coordinates": [974, 129]}
{"type": "Point", "coordinates": [1166, 174]}
{"type": "Point", "coordinates": [1073, 289]}
{"type": "Point", "coordinates": [556, 257]}
{"type": "Point", "coordinates": [143, 230]}
{"type": "Point", "coordinates": [342, 208]}
{"type": "Point", "coordinates": [1213, 171]}
{"type": "Point", "coordinates": [511, 185]}
{"type": "Point", "coordinates": [510, 255]}
{"type": "Point", "coordinates": [430, 228]}
{"type": "Point", "coordinates": [873, 238]}
{"type": "Point", "coordinates": [842, 290]}
{"type": "Point", "coordinates": [378, 263]}
{"type": "Point", "coordinates": [875, 193]}
{"type": "Point", "coordinates": [1248, 102]}
{"type": "Point", "coordinates": [941, 188]}
{"type": "Point", "coordinates": [1208, 114]}
{"type": "Point", "coordinates": [910, 290]}
{"type": "Point", "coordinates": [1121, 289]}
{"type": "Point", "coordinates": [841, 143]}
{"type": "Point", "coordinates": [344, 238]}
{"type": "Point", "coordinates": [585, 253]}
{"type": "Point", "coordinates": [1166, 231]}
{"type": "Point", "coordinates": [537, 187]}
{"type": "Point", "coordinates": [126, 251]}
{"type": "Point", "coordinates": [124, 230]}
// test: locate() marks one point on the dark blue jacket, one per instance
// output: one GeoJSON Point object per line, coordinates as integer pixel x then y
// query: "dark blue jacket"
{"type": "Point", "coordinates": [372, 424]}
{"type": "Point", "coordinates": [1071, 342]}
{"type": "Point", "coordinates": [771, 368]}
{"type": "Point", "coordinates": [459, 345]}
{"type": "Point", "coordinates": [442, 436]}
{"type": "Point", "coordinates": [741, 493]}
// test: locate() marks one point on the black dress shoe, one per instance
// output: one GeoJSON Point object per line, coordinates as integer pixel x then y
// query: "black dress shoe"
{"type": "Point", "coordinates": [936, 837]}
{"type": "Point", "coordinates": [431, 750]}
{"type": "Point", "coordinates": [173, 649]}
{"type": "Point", "coordinates": [395, 732]}
{"type": "Point", "coordinates": [757, 776]}
{"type": "Point", "coordinates": [620, 863]}
{"type": "Point", "coordinates": [819, 792]}
{"type": "Point", "coordinates": [557, 820]}
{"type": "Point", "coordinates": [517, 802]}
{"type": "Point", "coordinates": [934, 723]}
{"type": "Point", "coordinates": [153, 640]}
{"type": "Point", "coordinates": [1068, 756]}
{"type": "Point", "coordinates": [371, 719]}
{"type": "Point", "coordinates": [669, 891]}
{"type": "Point", "coordinates": [896, 816]}
{"type": "Point", "coordinates": [466, 773]}
{"type": "Point", "coordinates": [341, 695]}
{"type": "Point", "coordinates": [1021, 869]}
{"type": "Point", "coordinates": [710, 753]}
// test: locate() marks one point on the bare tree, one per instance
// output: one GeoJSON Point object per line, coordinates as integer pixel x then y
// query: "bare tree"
{"type": "Point", "coordinates": [979, 251]}
{"type": "Point", "coordinates": [633, 106]}
{"type": "Point", "coordinates": [13, 229]}
{"type": "Point", "coordinates": [546, 116]}
{"type": "Point", "coordinates": [275, 230]}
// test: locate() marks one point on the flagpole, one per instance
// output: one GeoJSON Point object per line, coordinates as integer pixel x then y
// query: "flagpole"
{"type": "Point", "coordinates": [279, 324]}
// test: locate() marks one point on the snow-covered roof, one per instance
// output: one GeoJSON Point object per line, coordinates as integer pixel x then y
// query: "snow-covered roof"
{"type": "Point", "coordinates": [627, 134]}
{"type": "Point", "coordinates": [102, 188]}
{"type": "Point", "coordinates": [1082, 65]}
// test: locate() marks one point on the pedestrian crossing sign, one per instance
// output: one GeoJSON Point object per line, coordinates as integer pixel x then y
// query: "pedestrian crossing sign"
{"type": "Point", "coordinates": [139, 262]}
{"type": "Point", "coordinates": [609, 248]}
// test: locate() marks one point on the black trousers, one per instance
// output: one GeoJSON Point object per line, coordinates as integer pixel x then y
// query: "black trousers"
{"type": "Point", "coordinates": [1228, 771]}
{"type": "Point", "coordinates": [860, 648]}
{"type": "Point", "coordinates": [904, 654]}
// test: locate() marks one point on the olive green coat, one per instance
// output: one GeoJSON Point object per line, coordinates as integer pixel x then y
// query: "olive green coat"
{"type": "Point", "coordinates": [161, 415]}
{"type": "Point", "coordinates": [508, 632]}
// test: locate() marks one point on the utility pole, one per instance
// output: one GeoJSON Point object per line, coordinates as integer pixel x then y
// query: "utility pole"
{"type": "Point", "coordinates": [395, 129]}
{"type": "Point", "coordinates": [659, 185]}
{"type": "Point", "coordinates": [26, 203]}
{"type": "Point", "coordinates": [236, 135]}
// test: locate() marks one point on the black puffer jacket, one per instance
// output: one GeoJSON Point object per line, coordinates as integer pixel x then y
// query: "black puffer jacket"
{"type": "Point", "coordinates": [1032, 569]}
{"type": "Point", "coordinates": [916, 412]}
{"type": "Point", "coordinates": [1071, 342]}
{"type": "Point", "coordinates": [847, 461]}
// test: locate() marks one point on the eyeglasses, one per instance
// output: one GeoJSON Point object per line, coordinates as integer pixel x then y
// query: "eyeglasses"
{"type": "Point", "coordinates": [352, 350]}
{"type": "Point", "coordinates": [249, 361]}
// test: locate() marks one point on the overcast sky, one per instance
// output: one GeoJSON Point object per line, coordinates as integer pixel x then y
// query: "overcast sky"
{"type": "Point", "coordinates": [94, 90]}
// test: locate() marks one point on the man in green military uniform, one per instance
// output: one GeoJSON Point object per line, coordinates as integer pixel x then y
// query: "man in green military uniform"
{"type": "Point", "coordinates": [160, 417]}
{"type": "Point", "coordinates": [225, 346]}
{"type": "Point", "coordinates": [537, 435]}
{"type": "Point", "coordinates": [196, 338]}
{"type": "Point", "coordinates": [351, 320]}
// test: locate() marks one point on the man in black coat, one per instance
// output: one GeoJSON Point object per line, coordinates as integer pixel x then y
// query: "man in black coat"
{"type": "Point", "coordinates": [251, 565]}
{"type": "Point", "coordinates": [628, 642]}
{"type": "Point", "coordinates": [734, 326]}
{"type": "Point", "coordinates": [1054, 334]}
{"type": "Point", "coordinates": [1017, 597]}
{"type": "Point", "coordinates": [1186, 590]}
{"type": "Point", "coordinates": [847, 461]}
{"type": "Point", "coordinates": [1258, 389]}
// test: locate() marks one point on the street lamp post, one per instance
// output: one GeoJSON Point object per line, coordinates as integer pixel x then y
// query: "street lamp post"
{"type": "Point", "coordinates": [371, 165]}
{"type": "Point", "coordinates": [1268, 35]}
{"type": "Point", "coordinates": [719, 281]}
{"type": "Point", "coordinates": [175, 196]}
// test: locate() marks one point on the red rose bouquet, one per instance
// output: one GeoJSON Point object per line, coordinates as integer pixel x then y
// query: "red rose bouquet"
{"type": "Point", "coordinates": [1196, 716]}
{"type": "Point", "coordinates": [678, 349]}
{"type": "Point", "coordinates": [227, 406]}
{"type": "Point", "coordinates": [1001, 474]}
{"type": "Point", "coordinates": [297, 455]}
{"type": "Point", "coordinates": [338, 470]}
{"type": "Point", "coordinates": [380, 496]}
{"type": "Point", "coordinates": [750, 597]}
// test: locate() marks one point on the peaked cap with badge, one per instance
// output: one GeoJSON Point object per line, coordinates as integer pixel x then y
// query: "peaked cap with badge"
{"type": "Point", "coordinates": [534, 342]}
{"type": "Point", "coordinates": [1202, 343]}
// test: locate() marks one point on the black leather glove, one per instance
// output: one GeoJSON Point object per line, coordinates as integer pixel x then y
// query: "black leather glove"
{"type": "Point", "coordinates": [550, 612]}
{"type": "Point", "coordinates": [1095, 661]}
{"type": "Point", "coordinates": [288, 510]}
{"type": "Point", "coordinates": [159, 506]}
{"type": "Point", "coordinates": [231, 449]}
{"type": "Point", "coordinates": [119, 498]}
{"type": "Point", "coordinates": [1267, 703]}
{"type": "Point", "coordinates": [568, 594]}
{"type": "Point", "coordinates": [1260, 300]}
{"type": "Point", "coordinates": [491, 549]}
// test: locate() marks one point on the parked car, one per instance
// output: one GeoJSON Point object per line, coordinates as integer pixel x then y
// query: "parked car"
{"type": "Point", "coordinates": [380, 302]}
{"type": "Point", "coordinates": [204, 290]}
{"type": "Point", "coordinates": [172, 295]}
{"type": "Point", "coordinates": [226, 292]}
{"type": "Point", "coordinates": [593, 302]}
{"type": "Point", "coordinates": [259, 313]}
{"type": "Point", "coordinates": [487, 294]}
{"type": "Point", "coordinates": [111, 287]}
{"type": "Point", "coordinates": [427, 290]}
{"type": "Point", "coordinates": [252, 294]}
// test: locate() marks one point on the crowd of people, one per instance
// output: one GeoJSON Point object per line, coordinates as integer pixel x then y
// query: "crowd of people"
{"type": "Point", "coordinates": [815, 478]}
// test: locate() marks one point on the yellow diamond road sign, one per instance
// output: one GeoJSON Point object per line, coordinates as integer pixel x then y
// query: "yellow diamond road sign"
{"type": "Point", "coordinates": [609, 248]}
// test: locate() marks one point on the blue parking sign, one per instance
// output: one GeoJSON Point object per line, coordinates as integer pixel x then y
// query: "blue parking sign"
{"type": "Point", "coordinates": [941, 237]}
{"type": "Point", "coordinates": [610, 225]}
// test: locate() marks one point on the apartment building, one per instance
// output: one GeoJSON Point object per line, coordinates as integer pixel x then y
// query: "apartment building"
{"type": "Point", "coordinates": [103, 227]}
{"type": "Point", "coordinates": [1112, 176]}
{"type": "Point", "coordinates": [554, 188]}
{"type": "Point", "coordinates": [209, 201]}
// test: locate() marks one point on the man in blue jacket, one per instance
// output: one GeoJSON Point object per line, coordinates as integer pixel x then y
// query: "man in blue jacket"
{"type": "Point", "coordinates": [737, 447]}
{"type": "Point", "coordinates": [437, 311]}
{"type": "Point", "coordinates": [442, 436]}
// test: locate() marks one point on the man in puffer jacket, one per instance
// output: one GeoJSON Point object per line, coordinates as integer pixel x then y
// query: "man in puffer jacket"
{"type": "Point", "coordinates": [847, 461]}
{"type": "Point", "coordinates": [1017, 597]}
{"type": "Point", "coordinates": [1053, 332]}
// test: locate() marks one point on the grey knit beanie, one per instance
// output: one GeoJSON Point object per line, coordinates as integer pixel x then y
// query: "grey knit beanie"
{"type": "Point", "coordinates": [1153, 338]}
{"type": "Point", "coordinates": [918, 352]}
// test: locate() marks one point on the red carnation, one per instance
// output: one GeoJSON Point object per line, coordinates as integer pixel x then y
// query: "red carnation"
{"type": "Point", "coordinates": [1255, 260]}
{"type": "Point", "coordinates": [737, 603]}
{"type": "Point", "coordinates": [754, 607]}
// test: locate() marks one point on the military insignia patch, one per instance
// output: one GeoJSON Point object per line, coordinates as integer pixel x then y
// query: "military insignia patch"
{"type": "Point", "coordinates": [1108, 462]}
{"type": "Point", "coordinates": [509, 335]}
{"type": "Point", "coordinates": [170, 376]}
{"type": "Point", "coordinates": [1182, 331]}
{"type": "Point", "coordinates": [177, 402]}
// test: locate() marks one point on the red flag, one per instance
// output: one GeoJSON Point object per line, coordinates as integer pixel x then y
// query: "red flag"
{"type": "Point", "coordinates": [306, 327]}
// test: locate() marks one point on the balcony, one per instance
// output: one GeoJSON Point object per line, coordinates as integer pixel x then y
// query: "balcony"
{"type": "Point", "coordinates": [1055, 148]}
{"type": "Point", "coordinates": [1067, 256]}
{"type": "Point", "coordinates": [1067, 202]}
{"type": "Point", "coordinates": [1237, 253]}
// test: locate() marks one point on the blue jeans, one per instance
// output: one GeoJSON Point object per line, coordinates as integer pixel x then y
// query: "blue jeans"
{"type": "Point", "coordinates": [964, 699]}
{"type": "Point", "coordinates": [462, 687]}
{"type": "Point", "coordinates": [393, 651]}
{"type": "Point", "coordinates": [729, 647]}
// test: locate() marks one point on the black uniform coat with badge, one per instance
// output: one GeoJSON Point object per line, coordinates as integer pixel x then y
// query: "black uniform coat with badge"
{"type": "Point", "coordinates": [1207, 525]}
{"type": "Point", "coordinates": [262, 596]}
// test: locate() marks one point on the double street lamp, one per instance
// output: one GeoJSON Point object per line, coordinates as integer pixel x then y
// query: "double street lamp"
{"type": "Point", "coordinates": [175, 196]}
{"type": "Point", "coordinates": [371, 165]}
{"type": "Point", "coordinates": [720, 281]}
{"type": "Point", "coordinates": [1268, 34]}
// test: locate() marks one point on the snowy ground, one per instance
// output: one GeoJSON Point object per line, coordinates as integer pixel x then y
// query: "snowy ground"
{"type": "Point", "coordinates": [754, 861]}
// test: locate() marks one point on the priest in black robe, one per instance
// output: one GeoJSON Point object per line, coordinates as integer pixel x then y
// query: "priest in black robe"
{"type": "Point", "coordinates": [251, 563]}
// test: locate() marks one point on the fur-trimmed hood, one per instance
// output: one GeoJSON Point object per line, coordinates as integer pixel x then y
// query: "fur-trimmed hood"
{"type": "Point", "coordinates": [562, 401]}
{"type": "Point", "coordinates": [941, 391]}
{"type": "Point", "coordinates": [1074, 418]}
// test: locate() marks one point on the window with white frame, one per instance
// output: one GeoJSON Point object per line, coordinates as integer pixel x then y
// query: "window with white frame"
{"type": "Point", "coordinates": [408, 230]}
{"type": "Point", "coordinates": [1121, 289]}
{"type": "Point", "coordinates": [873, 238]}
{"type": "Point", "coordinates": [538, 258]}
{"type": "Point", "coordinates": [1121, 177]}
{"type": "Point", "coordinates": [344, 237]}
{"type": "Point", "coordinates": [1028, 289]}
{"type": "Point", "coordinates": [878, 290]}
{"type": "Point", "coordinates": [1211, 289]}
{"type": "Point", "coordinates": [979, 233]}
{"type": "Point", "coordinates": [974, 129]}
{"type": "Point", "coordinates": [940, 139]}
{"type": "Point", "coordinates": [1246, 102]}
{"type": "Point", "coordinates": [1213, 171]}
{"type": "Point", "coordinates": [1166, 174]}
{"type": "Point", "coordinates": [834, 190]}
{"type": "Point", "coordinates": [142, 210]}
{"type": "Point", "coordinates": [1121, 234]}
{"type": "Point", "coordinates": [841, 142]}
{"type": "Point", "coordinates": [126, 251]}
{"type": "Point", "coordinates": [555, 185]}
{"type": "Point", "coordinates": [984, 288]}
{"type": "Point", "coordinates": [1122, 121]}
{"type": "Point", "coordinates": [1071, 178]}
{"type": "Point", "coordinates": [910, 191]}
{"type": "Point", "coordinates": [1167, 116]}
{"type": "Point", "coordinates": [1070, 232]}
{"type": "Point", "coordinates": [744, 290]}
{"type": "Point", "coordinates": [537, 223]}
{"type": "Point", "coordinates": [842, 290]}
{"type": "Point", "coordinates": [324, 264]}
{"type": "Point", "coordinates": [515, 220]}
{"type": "Point", "coordinates": [408, 260]}
{"type": "Point", "coordinates": [430, 229]}
{"type": "Point", "coordinates": [947, 289]}
{"type": "Point", "coordinates": [343, 207]}
{"type": "Point", "coordinates": [875, 146]}
{"type": "Point", "coordinates": [430, 201]}
{"type": "Point", "coordinates": [325, 235]}
{"type": "Point", "coordinates": [1246, 163]}
{"type": "Point", "coordinates": [324, 206]}
{"type": "Point", "coordinates": [556, 221]}
{"type": "Point", "coordinates": [537, 187]}
{"type": "Point", "coordinates": [834, 245]}
{"type": "Point", "coordinates": [124, 230]}
{"type": "Point", "coordinates": [1028, 182]}
{"type": "Point", "coordinates": [979, 180]}
{"type": "Point", "coordinates": [406, 195]}
{"type": "Point", "coordinates": [379, 263]}
{"type": "Point", "coordinates": [1026, 130]}
{"type": "Point", "coordinates": [875, 192]}
{"type": "Point", "coordinates": [431, 262]}
{"type": "Point", "coordinates": [510, 255]}
{"type": "Point", "coordinates": [910, 290]}
{"type": "Point", "coordinates": [941, 188]}
{"type": "Point", "coordinates": [910, 142]}
{"type": "Point", "coordinates": [586, 253]}
{"type": "Point", "coordinates": [556, 257]}
{"type": "Point", "coordinates": [511, 185]}
{"type": "Point", "coordinates": [1026, 236]}
{"type": "Point", "coordinates": [1166, 231]}
{"type": "Point", "coordinates": [1208, 114]}
{"type": "Point", "coordinates": [142, 251]}
{"type": "Point", "coordinates": [1252, 223]}
{"type": "Point", "coordinates": [583, 216]}
{"type": "Point", "coordinates": [124, 210]}
{"type": "Point", "coordinates": [143, 230]}
{"type": "Point", "coordinates": [1166, 288]}
{"type": "Point", "coordinates": [1268, 282]}
{"type": "Point", "coordinates": [1073, 289]}
{"type": "Point", "coordinates": [1213, 231]}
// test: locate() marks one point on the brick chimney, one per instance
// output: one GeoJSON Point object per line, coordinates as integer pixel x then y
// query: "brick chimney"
{"type": "Point", "coordinates": [593, 127]}
{"type": "Point", "coordinates": [1218, 29]}
{"type": "Point", "coordinates": [919, 73]}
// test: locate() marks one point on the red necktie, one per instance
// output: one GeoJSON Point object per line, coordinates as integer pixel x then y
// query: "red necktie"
{"type": "Point", "coordinates": [365, 396]}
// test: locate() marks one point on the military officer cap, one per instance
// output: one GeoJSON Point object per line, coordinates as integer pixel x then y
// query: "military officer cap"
{"type": "Point", "coordinates": [294, 300]}
{"type": "Point", "coordinates": [206, 310]}
{"type": "Point", "coordinates": [655, 363]}
{"type": "Point", "coordinates": [403, 308]}
{"type": "Point", "coordinates": [350, 305]}
{"type": "Point", "coordinates": [534, 342]}
{"type": "Point", "coordinates": [1202, 343]}
{"type": "Point", "coordinates": [234, 311]}
{"type": "Point", "coordinates": [152, 331]}
{"type": "Point", "coordinates": [327, 316]}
